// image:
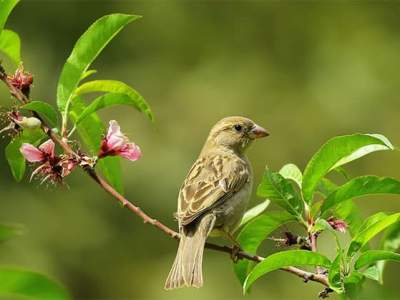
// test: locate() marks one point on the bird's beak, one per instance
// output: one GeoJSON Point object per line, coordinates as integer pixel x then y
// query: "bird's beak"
{"type": "Point", "coordinates": [258, 132]}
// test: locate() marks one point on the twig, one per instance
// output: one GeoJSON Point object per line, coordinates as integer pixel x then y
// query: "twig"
{"type": "Point", "coordinates": [135, 209]}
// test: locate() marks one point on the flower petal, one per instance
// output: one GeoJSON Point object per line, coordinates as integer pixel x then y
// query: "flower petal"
{"type": "Point", "coordinates": [115, 138]}
{"type": "Point", "coordinates": [48, 148]}
{"type": "Point", "coordinates": [31, 153]}
{"type": "Point", "coordinates": [131, 151]}
{"type": "Point", "coordinates": [113, 129]}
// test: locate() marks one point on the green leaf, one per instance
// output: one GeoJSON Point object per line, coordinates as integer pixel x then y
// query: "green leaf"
{"type": "Point", "coordinates": [370, 231]}
{"type": "Point", "coordinates": [10, 44]}
{"type": "Point", "coordinates": [87, 74]}
{"type": "Point", "coordinates": [350, 213]}
{"type": "Point", "coordinates": [371, 256]}
{"type": "Point", "coordinates": [116, 90]}
{"type": "Point", "coordinates": [379, 216]}
{"type": "Point", "coordinates": [391, 239]}
{"type": "Point", "coordinates": [6, 6]}
{"type": "Point", "coordinates": [279, 190]}
{"type": "Point", "coordinates": [285, 259]}
{"type": "Point", "coordinates": [7, 232]}
{"type": "Point", "coordinates": [91, 131]}
{"type": "Point", "coordinates": [43, 109]}
{"type": "Point", "coordinates": [337, 152]}
{"type": "Point", "coordinates": [14, 157]}
{"type": "Point", "coordinates": [254, 233]}
{"type": "Point", "coordinates": [254, 212]}
{"type": "Point", "coordinates": [353, 285]}
{"type": "Point", "coordinates": [346, 210]}
{"type": "Point", "coordinates": [335, 274]}
{"type": "Point", "coordinates": [31, 285]}
{"type": "Point", "coordinates": [321, 225]}
{"type": "Point", "coordinates": [85, 51]}
{"type": "Point", "coordinates": [103, 102]}
{"type": "Point", "coordinates": [361, 186]}
{"type": "Point", "coordinates": [390, 242]}
{"type": "Point", "coordinates": [371, 273]}
{"type": "Point", "coordinates": [292, 172]}
{"type": "Point", "coordinates": [326, 186]}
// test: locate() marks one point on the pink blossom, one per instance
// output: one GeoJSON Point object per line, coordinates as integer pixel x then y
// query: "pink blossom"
{"type": "Point", "coordinates": [52, 167]}
{"type": "Point", "coordinates": [337, 224]}
{"type": "Point", "coordinates": [41, 154]}
{"type": "Point", "coordinates": [116, 143]}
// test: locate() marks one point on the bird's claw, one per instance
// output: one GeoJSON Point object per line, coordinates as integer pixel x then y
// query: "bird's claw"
{"type": "Point", "coordinates": [235, 253]}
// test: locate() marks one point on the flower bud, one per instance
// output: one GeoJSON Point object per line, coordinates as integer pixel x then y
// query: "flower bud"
{"type": "Point", "coordinates": [30, 123]}
{"type": "Point", "coordinates": [337, 224]}
{"type": "Point", "coordinates": [21, 80]}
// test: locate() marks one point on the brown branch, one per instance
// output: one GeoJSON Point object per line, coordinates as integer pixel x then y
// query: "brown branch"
{"type": "Point", "coordinates": [307, 276]}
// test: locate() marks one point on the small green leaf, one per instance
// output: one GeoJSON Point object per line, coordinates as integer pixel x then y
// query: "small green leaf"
{"type": "Point", "coordinates": [391, 239]}
{"type": "Point", "coordinates": [254, 212]}
{"type": "Point", "coordinates": [87, 74]}
{"type": "Point", "coordinates": [85, 51]}
{"type": "Point", "coordinates": [335, 275]}
{"type": "Point", "coordinates": [120, 93]}
{"type": "Point", "coordinates": [6, 6]}
{"type": "Point", "coordinates": [371, 273]}
{"type": "Point", "coordinates": [279, 190]}
{"type": "Point", "coordinates": [361, 186]}
{"type": "Point", "coordinates": [44, 109]}
{"type": "Point", "coordinates": [7, 232]}
{"type": "Point", "coordinates": [254, 233]}
{"type": "Point", "coordinates": [390, 242]}
{"type": "Point", "coordinates": [14, 157]}
{"type": "Point", "coordinates": [353, 285]}
{"type": "Point", "coordinates": [292, 172]}
{"type": "Point", "coordinates": [285, 259]}
{"type": "Point", "coordinates": [91, 131]}
{"type": "Point", "coordinates": [321, 225]}
{"type": "Point", "coordinates": [337, 152]}
{"type": "Point", "coordinates": [10, 44]}
{"type": "Point", "coordinates": [31, 285]}
{"type": "Point", "coordinates": [371, 256]}
{"type": "Point", "coordinates": [362, 238]}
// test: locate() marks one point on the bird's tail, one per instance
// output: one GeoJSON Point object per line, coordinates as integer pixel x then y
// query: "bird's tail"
{"type": "Point", "coordinates": [187, 267]}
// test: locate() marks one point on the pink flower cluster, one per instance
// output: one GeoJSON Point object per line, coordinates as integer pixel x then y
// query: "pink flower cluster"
{"type": "Point", "coordinates": [52, 167]}
{"type": "Point", "coordinates": [55, 168]}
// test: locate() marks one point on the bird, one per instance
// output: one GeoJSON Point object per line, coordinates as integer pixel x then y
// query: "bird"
{"type": "Point", "coordinates": [213, 196]}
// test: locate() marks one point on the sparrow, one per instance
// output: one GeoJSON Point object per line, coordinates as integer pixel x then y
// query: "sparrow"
{"type": "Point", "coordinates": [214, 196]}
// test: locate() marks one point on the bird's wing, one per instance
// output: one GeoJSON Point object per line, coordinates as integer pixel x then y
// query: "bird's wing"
{"type": "Point", "coordinates": [210, 181]}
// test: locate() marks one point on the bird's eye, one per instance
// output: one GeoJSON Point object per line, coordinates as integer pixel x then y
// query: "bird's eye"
{"type": "Point", "coordinates": [238, 127]}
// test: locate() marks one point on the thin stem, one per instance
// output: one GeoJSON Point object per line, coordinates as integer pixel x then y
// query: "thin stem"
{"type": "Point", "coordinates": [72, 131]}
{"type": "Point", "coordinates": [135, 209]}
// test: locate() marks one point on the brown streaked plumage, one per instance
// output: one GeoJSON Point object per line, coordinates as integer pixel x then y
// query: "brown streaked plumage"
{"type": "Point", "coordinates": [213, 196]}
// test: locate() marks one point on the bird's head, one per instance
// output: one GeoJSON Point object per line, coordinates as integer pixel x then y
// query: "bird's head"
{"type": "Point", "coordinates": [235, 133]}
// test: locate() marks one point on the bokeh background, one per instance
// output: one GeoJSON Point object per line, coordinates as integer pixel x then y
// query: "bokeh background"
{"type": "Point", "coordinates": [307, 71]}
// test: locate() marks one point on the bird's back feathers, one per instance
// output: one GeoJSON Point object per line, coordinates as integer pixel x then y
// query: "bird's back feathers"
{"type": "Point", "coordinates": [211, 180]}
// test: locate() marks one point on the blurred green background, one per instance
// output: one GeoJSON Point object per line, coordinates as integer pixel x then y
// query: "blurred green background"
{"type": "Point", "coordinates": [306, 71]}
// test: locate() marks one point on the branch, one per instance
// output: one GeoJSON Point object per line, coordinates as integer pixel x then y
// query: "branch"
{"type": "Point", "coordinates": [307, 276]}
